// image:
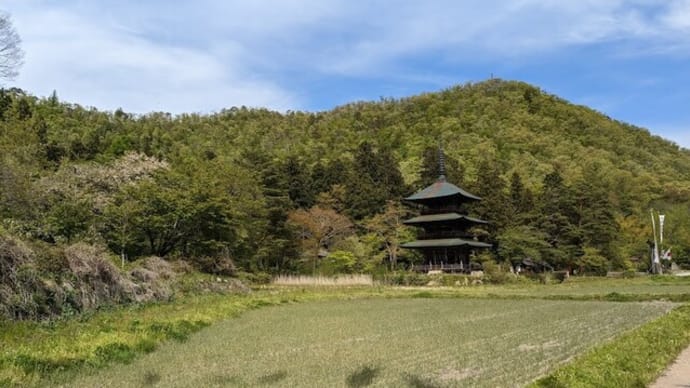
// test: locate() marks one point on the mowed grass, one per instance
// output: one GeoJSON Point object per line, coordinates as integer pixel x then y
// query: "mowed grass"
{"type": "Point", "coordinates": [417, 342]}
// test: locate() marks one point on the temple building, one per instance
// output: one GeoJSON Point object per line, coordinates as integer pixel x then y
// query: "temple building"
{"type": "Point", "coordinates": [445, 239]}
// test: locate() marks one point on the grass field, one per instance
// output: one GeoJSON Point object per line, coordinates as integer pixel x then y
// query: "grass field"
{"type": "Point", "coordinates": [117, 343]}
{"type": "Point", "coordinates": [384, 342]}
{"type": "Point", "coordinates": [653, 287]}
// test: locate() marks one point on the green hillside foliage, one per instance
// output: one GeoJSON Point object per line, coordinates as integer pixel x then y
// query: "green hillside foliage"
{"type": "Point", "coordinates": [561, 183]}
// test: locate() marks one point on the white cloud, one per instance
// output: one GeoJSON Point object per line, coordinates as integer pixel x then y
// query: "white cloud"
{"type": "Point", "coordinates": [204, 55]}
{"type": "Point", "coordinates": [107, 66]}
{"type": "Point", "coordinates": [677, 16]}
{"type": "Point", "coordinates": [457, 32]}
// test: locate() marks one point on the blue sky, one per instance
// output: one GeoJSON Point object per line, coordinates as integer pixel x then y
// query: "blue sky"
{"type": "Point", "coordinates": [627, 59]}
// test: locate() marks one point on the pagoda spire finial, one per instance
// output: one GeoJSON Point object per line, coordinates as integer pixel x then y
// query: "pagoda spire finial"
{"type": "Point", "coordinates": [441, 163]}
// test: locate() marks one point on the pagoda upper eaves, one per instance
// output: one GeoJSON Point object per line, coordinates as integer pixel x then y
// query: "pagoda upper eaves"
{"type": "Point", "coordinates": [441, 189]}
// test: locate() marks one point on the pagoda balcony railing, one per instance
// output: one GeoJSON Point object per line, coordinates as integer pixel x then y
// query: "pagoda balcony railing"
{"type": "Point", "coordinates": [433, 235]}
{"type": "Point", "coordinates": [441, 268]}
{"type": "Point", "coordinates": [440, 210]}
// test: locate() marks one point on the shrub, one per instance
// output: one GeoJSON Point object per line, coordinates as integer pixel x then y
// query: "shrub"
{"type": "Point", "coordinates": [593, 262]}
{"type": "Point", "coordinates": [255, 277]}
{"type": "Point", "coordinates": [402, 278]}
{"type": "Point", "coordinates": [338, 262]}
{"type": "Point", "coordinates": [215, 265]}
{"type": "Point", "coordinates": [99, 282]}
{"type": "Point", "coordinates": [63, 281]}
{"type": "Point", "coordinates": [494, 273]}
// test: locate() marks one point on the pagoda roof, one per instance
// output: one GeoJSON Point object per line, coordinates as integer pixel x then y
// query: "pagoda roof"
{"type": "Point", "coordinates": [440, 189]}
{"type": "Point", "coordinates": [445, 243]}
{"type": "Point", "coordinates": [443, 217]}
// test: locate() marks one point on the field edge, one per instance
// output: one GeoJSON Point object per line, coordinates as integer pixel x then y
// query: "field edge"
{"type": "Point", "coordinates": [634, 359]}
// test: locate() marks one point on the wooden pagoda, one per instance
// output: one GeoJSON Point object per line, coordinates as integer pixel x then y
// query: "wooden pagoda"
{"type": "Point", "coordinates": [445, 239]}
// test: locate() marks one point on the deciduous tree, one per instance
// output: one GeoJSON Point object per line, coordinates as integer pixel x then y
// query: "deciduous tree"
{"type": "Point", "coordinates": [319, 229]}
{"type": "Point", "coordinates": [389, 229]}
{"type": "Point", "coordinates": [11, 54]}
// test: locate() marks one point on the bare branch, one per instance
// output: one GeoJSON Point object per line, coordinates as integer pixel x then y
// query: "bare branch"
{"type": "Point", "coordinates": [11, 54]}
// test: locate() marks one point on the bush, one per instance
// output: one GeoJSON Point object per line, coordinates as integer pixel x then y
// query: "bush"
{"type": "Point", "coordinates": [592, 262]}
{"type": "Point", "coordinates": [255, 277]}
{"type": "Point", "coordinates": [215, 265]}
{"type": "Point", "coordinates": [406, 279]}
{"type": "Point", "coordinates": [338, 262]}
{"type": "Point", "coordinates": [561, 276]}
{"type": "Point", "coordinates": [60, 281]}
{"type": "Point", "coordinates": [494, 273]}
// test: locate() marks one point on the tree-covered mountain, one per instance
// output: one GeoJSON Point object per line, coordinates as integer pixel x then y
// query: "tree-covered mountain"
{"type": "Point", "coordinates": [258, 190]}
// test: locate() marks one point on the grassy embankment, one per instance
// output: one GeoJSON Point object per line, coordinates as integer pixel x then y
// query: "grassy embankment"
{"type": "Point", "coordinates": [34, 353]}
{"type": "Point", "coordinates": [635, 359]}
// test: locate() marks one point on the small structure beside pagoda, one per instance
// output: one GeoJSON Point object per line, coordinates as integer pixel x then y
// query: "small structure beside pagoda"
{"type": "Point", "coordinates": [445, 240]}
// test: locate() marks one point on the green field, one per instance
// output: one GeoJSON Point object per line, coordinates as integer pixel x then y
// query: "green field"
{"type": "Point", "coordinates": [385, 342]}
{"type": "Point", "coordinates": [420, 336]}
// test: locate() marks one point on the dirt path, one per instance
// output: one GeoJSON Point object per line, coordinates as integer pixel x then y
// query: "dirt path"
{"type": "Point", "coordinates": [677, 375]}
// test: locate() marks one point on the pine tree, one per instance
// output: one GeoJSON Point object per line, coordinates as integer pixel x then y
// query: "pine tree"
{"type": "Point", "coordinates": [299, 183]}
{"type": "Point", "coordinates": [374, 179]}
{"type": "Point", "coordinates": [494, 206]}
{"type": "Point", "coordinates": [595, 216]}
{"type": "Point", "coordinates": [521, 205]}
{"type": "Point", "coordinates": [556, 219]}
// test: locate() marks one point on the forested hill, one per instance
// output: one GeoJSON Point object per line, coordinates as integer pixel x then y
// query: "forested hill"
{"type": "Point", "coordinates": [257, 190]}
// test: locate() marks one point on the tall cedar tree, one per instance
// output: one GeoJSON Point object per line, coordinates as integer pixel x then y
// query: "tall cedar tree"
{"type": "Point", "coordinates": [299, 182]}
{"type": "Point", "coordinates": [521, 202]}
{"type": "Point", "coordinates": [324, 176]}
{"type": "Point", "coordinates": [278, 248]}
{"type": "Point", "coordinates": [375, 178]}
{"type": "Point", "coordinates": [494, 206]}
{"type": "Point", "coordinates": [556, 219]}
{"type": "Point", "coordinates": [595, 216]}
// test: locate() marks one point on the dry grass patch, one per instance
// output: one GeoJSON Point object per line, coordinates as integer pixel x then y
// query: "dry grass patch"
{"type": "Point", "coordinates": [340, 280]}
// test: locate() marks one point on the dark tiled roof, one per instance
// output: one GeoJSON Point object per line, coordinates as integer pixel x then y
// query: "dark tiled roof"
{"type": "Point", "coordinates": [443, 217]}
{"type": "Point", "coordinates": [444, 243]}
{"type": "Point", "coordinates": [440, 189]}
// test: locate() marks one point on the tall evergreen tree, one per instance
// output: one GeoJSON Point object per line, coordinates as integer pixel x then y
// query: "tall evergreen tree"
{"type": "Point", "coordinates": [278, 246]}
{"type": "Point", "coordinates": [324, 176]}
{"type": "Point", "coordinates": [494, 206]}
{"type": "Point", "coordinates": [521, 204]}
{"type": "Point", "coordinates": [556, 218]}
{"type": "Point", "coordinates": [595, 216]}
{"type": "Point", "coordinates": [375, 179]}
{"type": "Point", "coordinates": [299, 182]}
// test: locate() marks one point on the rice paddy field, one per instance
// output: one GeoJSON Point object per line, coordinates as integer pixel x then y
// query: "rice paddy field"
{"type": "Point", "coordinates": [385, 342]}
{"type": "Point", "coordinates": [486, 335]}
